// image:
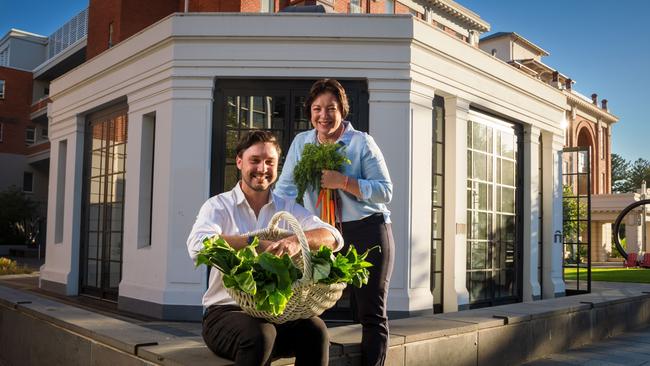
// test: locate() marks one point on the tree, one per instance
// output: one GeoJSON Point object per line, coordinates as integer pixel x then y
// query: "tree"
{"type": "Point", "coordinates": [574, 225]}
{"type": "Point", "coordinates": [620, 168]}
{"type": "Point", "coordinates": [639, 171]}
{"type": "Point", "coordinates": [16, 217]}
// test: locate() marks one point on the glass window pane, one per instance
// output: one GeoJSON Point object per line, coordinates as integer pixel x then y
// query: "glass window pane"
{"type": "Point", "coordinates": [507, 172]}
{"type": "Point", "coordinates": [478, 287]}
{"type": "Point", "coordinates": [92, 279]}
{"type": "Point", "coordinates": [478, 255]}
{"type": "Point", "coordinates": [507, 144]}
{"type": "Point", "coordinates": [437, 223]}
{"type": "Point", "coordinates": [437, 190]}
{"type": "Point", "coordinates": [507, 200]}
{"type": "Point", "coordinates": [115, 274]}
{"type": "Point", "coordinates": [438, 160]}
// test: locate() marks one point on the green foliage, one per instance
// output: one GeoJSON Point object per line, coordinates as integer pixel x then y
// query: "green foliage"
{"type": "Point", "coordinates": [18, 217]}
{"type": "Point", "coordinates": [350, 268]}
{"type": "Point", "coordinates": [620, 167]}
{"type": "Point", "coordinates": [8, 266]}
{"type": "Point", "coordinates": [268, 278]}
{"type": "Point", "coordinates": [315, 158]}
{"type": "Point", "coordinates": [626, 176]}
{"type": "Point", "coordinates": [572, 210]}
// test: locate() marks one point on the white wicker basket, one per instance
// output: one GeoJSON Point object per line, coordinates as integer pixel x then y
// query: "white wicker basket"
{"type": "Point", "coordinates": [309, 298]}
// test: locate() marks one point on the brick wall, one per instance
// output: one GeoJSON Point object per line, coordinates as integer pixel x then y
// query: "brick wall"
{"type": "Point", "coordinates": [128, 17]}
{"type": "Point", "coordinates": [14, 109]}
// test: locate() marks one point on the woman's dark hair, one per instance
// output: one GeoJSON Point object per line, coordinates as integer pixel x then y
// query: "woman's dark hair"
{"type": "Point", "coordinates": [324, 86]}
{"type": "Point", "coordinates": [253, 137]}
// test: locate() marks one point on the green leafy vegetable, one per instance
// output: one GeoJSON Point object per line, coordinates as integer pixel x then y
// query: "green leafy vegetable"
{"type": "Point", "coordinates": [268, 278]}
{"type": "Point", "coordinates": [315, 158]}
{"type": "Point", "coordinates": [350, 268]}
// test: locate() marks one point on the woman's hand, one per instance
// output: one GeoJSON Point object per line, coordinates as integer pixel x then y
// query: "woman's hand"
{"type": "Point", "coordinates": [332, 179]}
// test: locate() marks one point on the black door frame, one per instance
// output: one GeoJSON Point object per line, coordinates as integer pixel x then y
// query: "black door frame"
{"type": "Point", "coordinates": [103, 292]}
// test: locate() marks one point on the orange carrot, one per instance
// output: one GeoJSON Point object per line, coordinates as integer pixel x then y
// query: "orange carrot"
{"type": "Point", "coordinates": [320, 198]}
{"type": "Point", "coordinates": [332, 218]}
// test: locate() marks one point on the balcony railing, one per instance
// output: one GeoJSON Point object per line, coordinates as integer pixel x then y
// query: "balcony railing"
{"type": "Point", "coordinates": [72, 31]}
{"type": "Point", "coordinates": [39, 105]}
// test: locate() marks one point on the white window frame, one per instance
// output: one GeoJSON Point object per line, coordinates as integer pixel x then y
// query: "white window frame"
{"type": "Point", "coordinates": [267, 6]}
{"type": "Point", "coordinates": [2, 89]}
{"type": "Point", "coordinates": [355, 7]}
{"type": "Point", "coordinates": [29, 140]}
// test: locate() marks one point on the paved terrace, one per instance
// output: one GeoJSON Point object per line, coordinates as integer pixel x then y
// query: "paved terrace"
{"type": "Point", "coordinates": [37, 329]}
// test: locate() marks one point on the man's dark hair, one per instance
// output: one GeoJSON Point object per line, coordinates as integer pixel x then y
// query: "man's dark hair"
{"type": "Point", "coordinates": [253, 137]}
{"type": "Point", "coordinates": [323, 86]}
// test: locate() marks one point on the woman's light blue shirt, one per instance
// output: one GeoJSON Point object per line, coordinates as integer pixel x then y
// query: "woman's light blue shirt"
{"type": "Point", "coordinates": [368, 168]}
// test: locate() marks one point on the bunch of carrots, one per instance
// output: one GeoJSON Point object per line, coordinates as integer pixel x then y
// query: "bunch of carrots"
{"type": "Point", "coordinates": [307, 175]}
{"type": "Point", "coordinates": [327, 203]}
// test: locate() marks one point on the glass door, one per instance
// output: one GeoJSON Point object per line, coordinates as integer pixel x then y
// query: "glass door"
{"type": "Point", "coordinates": [493, 227]}
{"type": "Point", "coordinates": [103, 203]}
{"type": "Point", "coordinates": [576, 219]}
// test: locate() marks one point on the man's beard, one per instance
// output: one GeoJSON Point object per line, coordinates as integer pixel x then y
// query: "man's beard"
{"type": "Point", "coordinates": [258, 187]}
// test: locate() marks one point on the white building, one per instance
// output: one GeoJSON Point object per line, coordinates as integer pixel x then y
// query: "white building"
{"type": "Point", "coordinates": [472, 145]}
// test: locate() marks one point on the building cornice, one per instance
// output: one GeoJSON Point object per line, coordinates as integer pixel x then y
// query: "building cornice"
{"type": "Point", "coordinates": [20, 34]}
{"type": "Point", "coordinates": [462, 13]}
{"type": "Point", "coordinates": [575, 100]}
{"type": "Point", "coordinates": [516, 37]}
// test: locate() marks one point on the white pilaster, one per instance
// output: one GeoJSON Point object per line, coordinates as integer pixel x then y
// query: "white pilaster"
{"type": "Point", "coordinates": [401, 124]}
{"type": "Point", "coordinates": [553, 251]}
{"type": "Point", "coordinates": [455, 295]}
{"type": "Point", "coordinates": [531, 210]}
{"type": "Point", "coordinates": [60, 273]}
{"type": "Point", "coordinates": [183, 125]}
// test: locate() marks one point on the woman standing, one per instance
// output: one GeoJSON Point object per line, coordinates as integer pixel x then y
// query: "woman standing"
{"type": "Point", "coordinates": [364, 189]}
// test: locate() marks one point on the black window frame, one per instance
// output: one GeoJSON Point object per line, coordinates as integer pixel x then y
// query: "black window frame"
{"type": "Point", "coordinates": [356, 90]}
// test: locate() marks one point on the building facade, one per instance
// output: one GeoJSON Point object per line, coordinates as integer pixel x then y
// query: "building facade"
{"type": "Point", "coordinates": [28, 63]}
{"type": "Point", "coordinates": [588, 125]}
{"type": "Point", "coordinates": [142, 134]}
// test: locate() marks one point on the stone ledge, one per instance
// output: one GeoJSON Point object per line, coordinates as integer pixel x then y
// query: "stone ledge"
{"type": "Point", "coordinates": [481, 336]}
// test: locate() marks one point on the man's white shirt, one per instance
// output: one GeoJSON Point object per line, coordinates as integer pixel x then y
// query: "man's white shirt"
{"type": "Point", "coordinates": [230, 214]}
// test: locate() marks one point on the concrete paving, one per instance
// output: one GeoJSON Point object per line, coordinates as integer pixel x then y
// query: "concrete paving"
{"type": "Point", "coordinates": [630, 349]}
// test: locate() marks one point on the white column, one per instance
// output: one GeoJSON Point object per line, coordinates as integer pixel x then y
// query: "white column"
{"type": "Point", "coordinates": [456, 296]}
{"type": "Point", "coordinates": [553, 251]}
{"type": "Point", "coordinates": [173, 287]}
{"type": "Point", "coordinates": [60, 273]}
{"type": "Point", "coordinates": [401, 124]}
{"type": "Point", "coordinates": [531, 207]}
{"type": "Point", "coordinates": [633, 231]}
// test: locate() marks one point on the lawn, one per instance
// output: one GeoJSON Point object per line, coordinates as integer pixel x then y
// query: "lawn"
{"type": "Point", "coordinates": [638, 275]}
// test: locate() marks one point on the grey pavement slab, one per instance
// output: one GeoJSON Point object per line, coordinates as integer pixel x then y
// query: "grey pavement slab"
{"type": "Point", "coordinates": [116, 333]}
{"type": "Point", "coordinates": [632, 348]}
{"type": "Point", "coordinates": [423, 328]}
{"type": "Point", "coordinates": [482, 318]}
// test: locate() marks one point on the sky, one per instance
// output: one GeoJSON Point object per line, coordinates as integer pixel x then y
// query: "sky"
{"type": "Point", "coordinates": [603, 46]}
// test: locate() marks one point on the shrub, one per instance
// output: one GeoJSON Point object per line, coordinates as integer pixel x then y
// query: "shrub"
{"type": "Point", "coordinates": [8, 266]}
{"type": "Point", "coordinates": [18, 217]}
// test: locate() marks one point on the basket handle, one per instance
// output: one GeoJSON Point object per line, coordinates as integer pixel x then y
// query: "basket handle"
{"type": "Point", "coordinates": [302, 239]}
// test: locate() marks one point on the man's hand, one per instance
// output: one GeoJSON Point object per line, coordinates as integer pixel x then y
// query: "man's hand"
{"type": "Point", "coordinates": [287, 245]}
